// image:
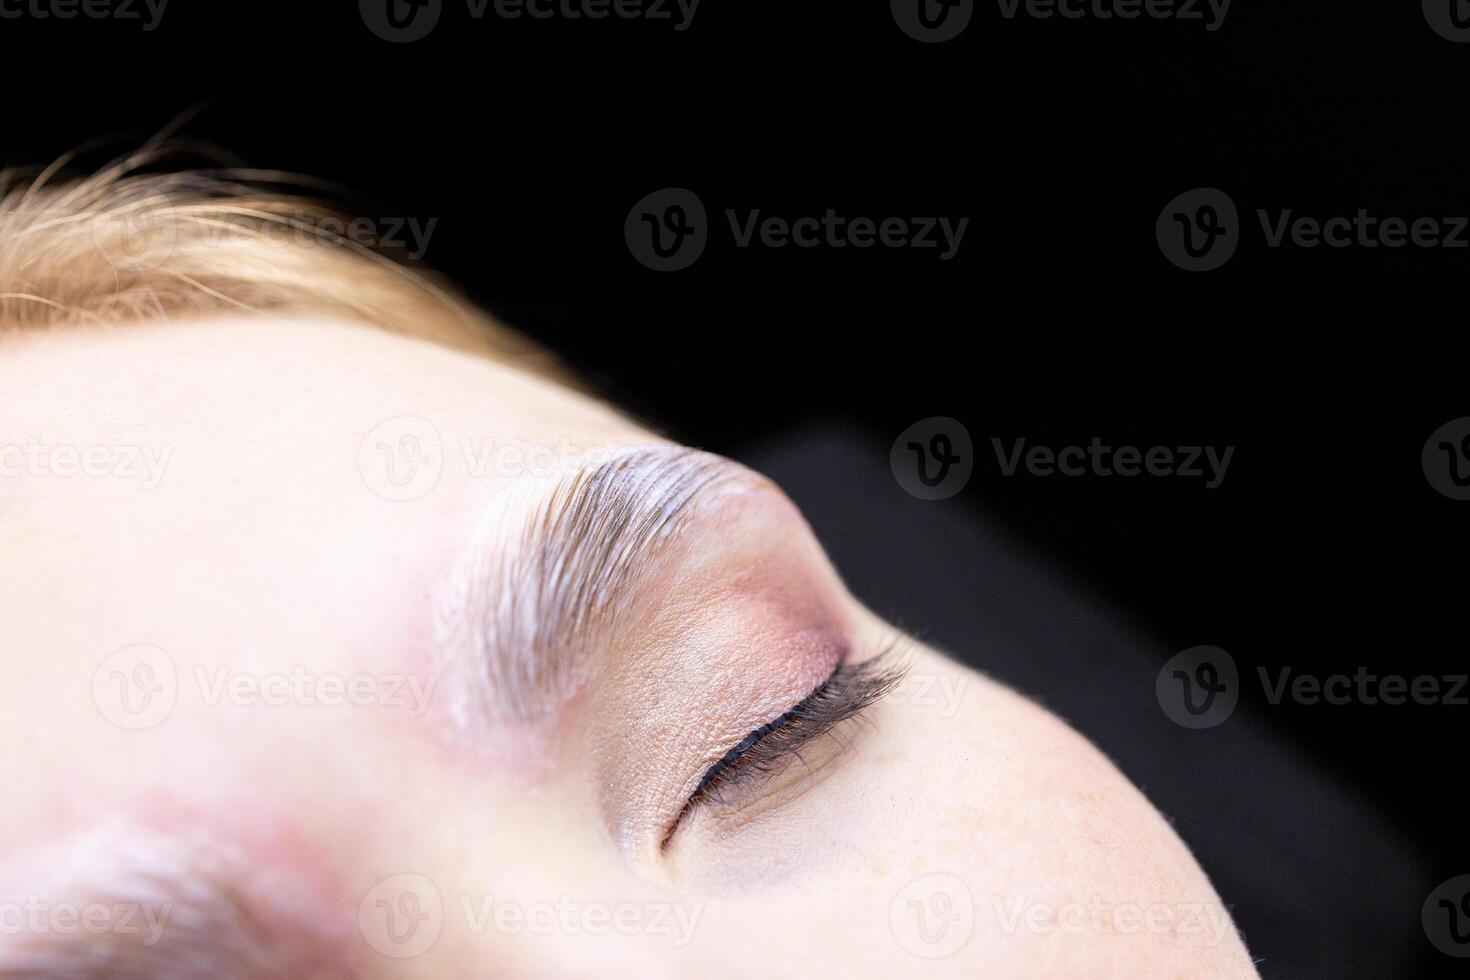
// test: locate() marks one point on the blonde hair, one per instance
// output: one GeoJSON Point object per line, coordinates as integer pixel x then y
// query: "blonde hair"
{"type": "Point", "coordinates": [129, 243]}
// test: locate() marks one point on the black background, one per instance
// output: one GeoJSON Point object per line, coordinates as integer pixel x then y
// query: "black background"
{"type": "Point", "coordinates": [1059, 320]}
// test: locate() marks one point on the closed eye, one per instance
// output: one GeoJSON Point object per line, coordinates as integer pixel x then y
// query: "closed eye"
{"type": "Point", "coordinates": [847, 692]}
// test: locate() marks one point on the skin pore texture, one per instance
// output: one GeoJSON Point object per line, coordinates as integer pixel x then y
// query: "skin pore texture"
{"type": "Point", "coordinates": [424, 720]}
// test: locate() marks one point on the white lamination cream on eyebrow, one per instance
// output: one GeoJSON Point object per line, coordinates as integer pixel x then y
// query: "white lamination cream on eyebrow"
{"type": "Point", "coordinates": [675, 600]}
{"type": "Point", "coordinates": [124, 901]}
{"type": "Point", "coordinates": [554, 568]}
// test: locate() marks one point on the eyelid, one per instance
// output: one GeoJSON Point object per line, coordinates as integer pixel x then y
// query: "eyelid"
{"type": "Point", "coordinates": [732, 758]}
{"type": "Point", "coordinates": [848, 691]}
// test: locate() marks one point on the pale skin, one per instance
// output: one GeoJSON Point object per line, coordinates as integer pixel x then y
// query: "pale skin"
{"type": "Point", "coordinates": [267, 550]}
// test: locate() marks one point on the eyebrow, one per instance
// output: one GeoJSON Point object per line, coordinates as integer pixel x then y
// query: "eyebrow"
{"type": "Point", "coordinates": [538, 588]}
{"type": "Point", "coordinates": [124, 903]}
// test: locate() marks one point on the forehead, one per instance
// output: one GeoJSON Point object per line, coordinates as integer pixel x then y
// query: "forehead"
{"type": "Point", "coordinates": [205, 497]}
{"type": "Point", "coordinates": [241, 377]}
{"type": "Point", "coordinates": [239, 417]}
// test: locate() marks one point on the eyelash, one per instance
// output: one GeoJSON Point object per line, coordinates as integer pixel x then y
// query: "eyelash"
{"type": "Point", "coordinates": [851, 690]}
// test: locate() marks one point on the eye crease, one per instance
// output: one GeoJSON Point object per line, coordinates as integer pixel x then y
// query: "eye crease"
{"type": "Point", "coordinates": [848, 692]}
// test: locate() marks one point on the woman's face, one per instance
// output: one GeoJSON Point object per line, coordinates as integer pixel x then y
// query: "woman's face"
{"type": "Point", "coordinates": [331, 652]}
